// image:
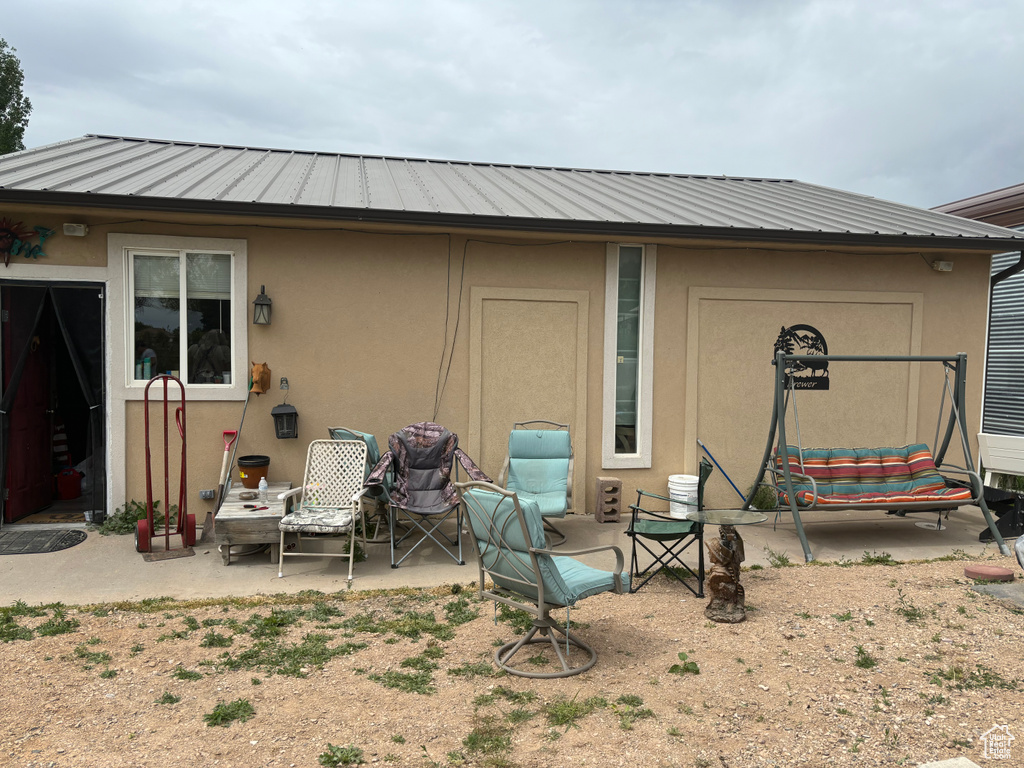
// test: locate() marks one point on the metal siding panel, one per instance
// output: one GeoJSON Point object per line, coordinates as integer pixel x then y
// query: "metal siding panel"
{"type": "Point", "coordinates": [414, 193]}
{"type": "Point", "coordinates": [381, 191]}
{"type": "Point", "coordinates": [506, 195]}
{"type": "Point", "coordinates": [319, 187]}
{"type": "Point", "coordinates": [457, 191]}
{"type": "Point", "coordinates": [1003, 412]}
{"type": "Point", "coordinates": [285, 187]}
{"type": "Point", "coordinates": [348, 185]}
{"type": "Point", "coordinates": [258, 177]}
{"type": "Point", "coordinates": [198, 168]}
{"type": "Point", "coordinates": [76, 175]}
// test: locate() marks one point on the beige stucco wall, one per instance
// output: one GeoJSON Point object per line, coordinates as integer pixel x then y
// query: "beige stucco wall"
{"type": "Point", "coordinates": [359, 329]}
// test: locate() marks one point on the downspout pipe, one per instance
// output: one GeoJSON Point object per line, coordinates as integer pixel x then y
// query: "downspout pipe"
{"type": "Point", "coordinates": [1010, 271]}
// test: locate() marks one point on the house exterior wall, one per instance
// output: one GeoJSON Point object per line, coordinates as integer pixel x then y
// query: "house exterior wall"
{"type": "Point", "coordinates": [360, 318]}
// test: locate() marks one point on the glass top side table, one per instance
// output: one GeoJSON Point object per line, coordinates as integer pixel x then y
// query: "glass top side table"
{"type": "Point", "coordinates": [726, 516]}
{"type": "Point", "coordinates": [727, 604]}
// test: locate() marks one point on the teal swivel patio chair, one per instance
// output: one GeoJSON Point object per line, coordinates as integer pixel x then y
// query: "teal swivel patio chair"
{"type": "Point", "coordinates": [375, 503]}
{"type": "Point", "coordinates": [539, 467]}
{"type": "Point", "coordinates": [507, 534]}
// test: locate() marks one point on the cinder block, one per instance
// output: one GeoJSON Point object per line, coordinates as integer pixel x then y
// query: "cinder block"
{"type": "Point", "coordinates": [609, 500]}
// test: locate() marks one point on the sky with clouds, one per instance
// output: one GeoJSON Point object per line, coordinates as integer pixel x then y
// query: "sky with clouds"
{"type": "Point", "coordinates": [916, 101]}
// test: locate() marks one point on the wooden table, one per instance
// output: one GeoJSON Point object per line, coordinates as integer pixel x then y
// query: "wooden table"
{"type": "Point", "coordinates": [235, 524]}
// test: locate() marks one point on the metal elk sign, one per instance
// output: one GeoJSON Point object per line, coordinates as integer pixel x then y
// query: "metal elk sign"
{"type": "Point", "coordinates": [15, 238]}
{"type": "Point", "coordinates": [804, 340]}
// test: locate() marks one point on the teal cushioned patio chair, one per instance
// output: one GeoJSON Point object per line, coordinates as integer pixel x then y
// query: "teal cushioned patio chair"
{"type": "Point", "coordinates": [508, 537]}
{"type": "Point", "coordinates": [375, 503]}
{"type": "Point", "coordinates": [666, 538]}
{"type": "Point", "coordinates": [539, 467]}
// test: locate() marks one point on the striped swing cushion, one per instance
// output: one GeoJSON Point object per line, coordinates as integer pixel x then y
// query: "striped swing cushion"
{"type": "Point", "coordinates": [875, 476]}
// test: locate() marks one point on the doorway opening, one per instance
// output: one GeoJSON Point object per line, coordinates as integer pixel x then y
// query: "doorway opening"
{"type": "Point", "coordinates": [52, 414]}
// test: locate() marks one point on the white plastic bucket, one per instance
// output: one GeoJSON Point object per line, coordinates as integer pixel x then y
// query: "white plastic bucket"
{"type": "Point", "coordinates": [683, 488]}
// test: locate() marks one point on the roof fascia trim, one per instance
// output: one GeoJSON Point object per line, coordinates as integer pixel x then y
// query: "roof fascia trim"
{"type": "Point", "coordinates": [563, 226]}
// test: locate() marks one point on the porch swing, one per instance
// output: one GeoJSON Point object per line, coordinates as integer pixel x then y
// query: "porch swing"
{"type": "Point", "coordinates": [900, 480]}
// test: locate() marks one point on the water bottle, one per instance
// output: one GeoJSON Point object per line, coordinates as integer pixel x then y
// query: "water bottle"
{"type": "Point", "coordinates": [263, 490]}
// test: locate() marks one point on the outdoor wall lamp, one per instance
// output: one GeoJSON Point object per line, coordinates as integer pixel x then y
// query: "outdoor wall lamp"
{"type": "Point", "coordinates": [261, 308]}
{"type": "Point", "coordinates": [286, 418]}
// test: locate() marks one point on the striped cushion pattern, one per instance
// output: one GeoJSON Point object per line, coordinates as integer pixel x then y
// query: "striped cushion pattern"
{"type": "Point", "coordinates": [850, 476]}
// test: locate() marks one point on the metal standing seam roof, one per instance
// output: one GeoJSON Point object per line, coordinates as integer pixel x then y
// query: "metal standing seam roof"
{"type": "Point", "coordinates": [122, 172]}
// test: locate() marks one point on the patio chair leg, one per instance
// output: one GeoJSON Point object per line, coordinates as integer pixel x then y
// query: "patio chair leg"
{"type": "Point", "coordinates": [280, 558]}
{"type": "Point", "coordinates": [546, 631]}
{"type": "Point", "coordinates": [549, 527]}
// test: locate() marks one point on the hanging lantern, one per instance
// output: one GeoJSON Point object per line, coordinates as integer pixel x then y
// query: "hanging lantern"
{"type": "Point", "coordinates": [286, 421]}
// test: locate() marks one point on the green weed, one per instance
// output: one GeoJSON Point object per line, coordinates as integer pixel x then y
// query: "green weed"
{"type": "Point", "coordinates": [225, 714]}
{"type": "Point", "coordinates": [864, 659]}
{"type": "Point", "coordinates": [907, 609]}
{"type": "Point", "coordinates": [687, 667]}
{"type": "Point", "coordinates": [57, 624]}
{"type": "Point", "coordinates": [477, 669]}
{"type": "Point", "coordinates": [11, 630]}
{"type": "Point", "coordinates": [409, 682]}
{"type": "Point", "coordinates": [488, 737]}
{"type": "Point", "coordinates": [291, 660]}
{"type": "Point", "coordinates": [186, 674]}
{"type": "Point", "coordinates": [568, 712]}
{"type": "Point", "coordinates": [458, 612]}
{"type": "Point", "coordinates": [777, 559]}
{"type": "Point", "coordinates": [168, 698]}
{"type": "Point", "coordinates": [335, 756]}
{"type": "Point", "coordinates": [878, 558]}
{"type": "Point", "coordinates": [214, 639]}
{"type": "Point", "coordinates": [630, 708]}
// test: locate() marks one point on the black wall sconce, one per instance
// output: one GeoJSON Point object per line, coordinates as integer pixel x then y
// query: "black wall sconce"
{"type": "Point", "coordinates": [261, 308]}
{"type": "Point", "coordinates": [286, 418]}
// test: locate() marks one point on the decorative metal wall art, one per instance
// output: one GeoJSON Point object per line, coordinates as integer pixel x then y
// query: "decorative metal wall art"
{"type": "Point", "coordinates": [14, 239]}
{"type": "Point", "coordinates": [804, 340]}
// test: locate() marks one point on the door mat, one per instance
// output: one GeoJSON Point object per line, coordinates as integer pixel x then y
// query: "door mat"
{"type": "Point", "coordinates": [36, 542]}
{"type": "Point", "coordinates": [51, 517]}
{"type": "Point", "coordinates": [170, 554]}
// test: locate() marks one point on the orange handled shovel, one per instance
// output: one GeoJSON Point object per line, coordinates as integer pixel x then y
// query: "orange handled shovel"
{"type": "Point", "coordinates": [230, 435]}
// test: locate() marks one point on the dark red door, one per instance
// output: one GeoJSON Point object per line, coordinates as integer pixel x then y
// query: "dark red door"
{"type": "Point", "coordinates": [29, 485]}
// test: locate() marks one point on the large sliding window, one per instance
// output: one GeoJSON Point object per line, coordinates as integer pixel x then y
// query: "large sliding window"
{"type": "Point", "coordinates": [629, 364]}
{"type": "Point", "coordinates": [181, 315]}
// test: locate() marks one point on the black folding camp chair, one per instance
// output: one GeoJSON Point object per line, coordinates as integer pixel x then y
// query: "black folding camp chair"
{"type": "Point", "coordinates": [666, 537]}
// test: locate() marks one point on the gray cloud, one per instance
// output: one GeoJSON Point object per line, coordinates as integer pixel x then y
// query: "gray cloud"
{"type": "Point", "coordinates": [905, 100]}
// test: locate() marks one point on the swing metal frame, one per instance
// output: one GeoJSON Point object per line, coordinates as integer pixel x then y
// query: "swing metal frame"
{"type": "Point", "coordinates": [782, 479]}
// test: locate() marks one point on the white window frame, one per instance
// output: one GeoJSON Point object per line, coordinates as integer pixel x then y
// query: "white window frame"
{"type": "Point", "coordinates": [645, 365]}
{"type": "Point", "coordinates": [120, 249]}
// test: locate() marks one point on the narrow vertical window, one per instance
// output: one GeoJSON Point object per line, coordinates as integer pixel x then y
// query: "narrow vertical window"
{"type": "Point", "coordinates": [627, 354]}
{"type": "Point", "coordinates": [629, 366]}
{"type": "Point", "coordinates": [157, 293]}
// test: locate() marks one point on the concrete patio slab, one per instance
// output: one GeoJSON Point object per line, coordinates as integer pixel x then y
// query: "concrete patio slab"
{"type": "Point", "coordinates": [107, 568]}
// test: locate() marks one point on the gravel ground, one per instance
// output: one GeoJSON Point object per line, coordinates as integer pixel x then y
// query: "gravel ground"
{"type": "Point", "coordinates": [836, 666]}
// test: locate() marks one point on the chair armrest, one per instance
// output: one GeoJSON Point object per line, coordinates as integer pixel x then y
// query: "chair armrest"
{"type": "Point", "coordinates": [360, 494]}
{"type": "Point", "coordinates": [814, 486]}
{"type": "Point", "coordinates": [977, 486]}
{"type": "Point", "coordinates": [289, 493]}
{"type": "Point", "coordinates": [619, 560]}
{"type": "Point", "coordinates": [503, 476]}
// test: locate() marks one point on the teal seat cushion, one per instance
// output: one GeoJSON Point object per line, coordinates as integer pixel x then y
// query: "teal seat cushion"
{"type": "Point", "coordinates": [505, 552]}
{"type": "Point", "coordinates": [663, 530]}
{"type": "Point", "coordinates": [539, 468]}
